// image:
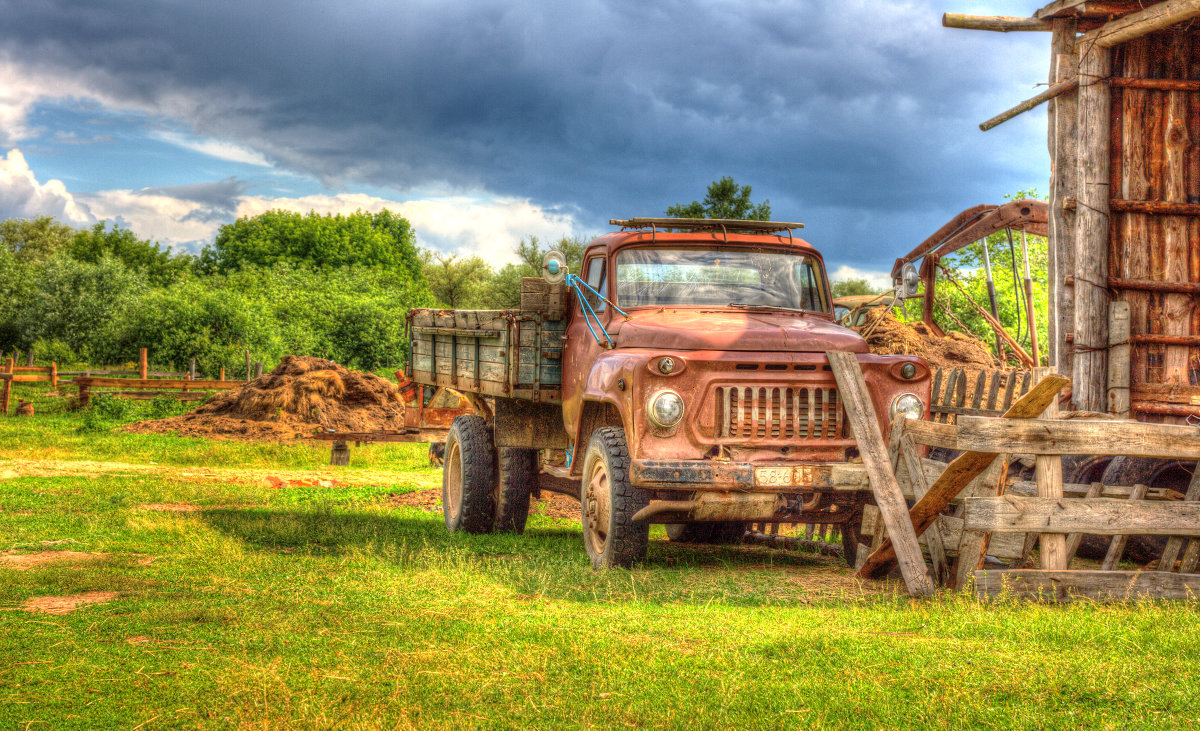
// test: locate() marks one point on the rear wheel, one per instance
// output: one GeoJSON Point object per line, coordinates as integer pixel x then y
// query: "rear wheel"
{"type": "Point", "coordinates": [517, 471]}
{"type": "Point", "coordinates": [469, 476]}
{"type": "Point", "coordinates": [610, 535]}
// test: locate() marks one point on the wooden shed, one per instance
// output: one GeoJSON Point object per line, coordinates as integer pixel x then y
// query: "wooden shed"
{"type": "Point", "coordinates": [1124, 139]}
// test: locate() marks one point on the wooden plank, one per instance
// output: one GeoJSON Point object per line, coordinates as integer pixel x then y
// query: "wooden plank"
{"type": "Point", "coordinates": [1118, 359]}
{"type": "Point", "coordinates": [1048, 476]}
{"type": "Point", "coordinates": [1004, 546]}
{"type": "Point", "coordinates": [1073, 539]}
{"type": "Point", "coordinates": [959, 474]}
{"type": "Point", "coordinates": [994, 390]}
{"type": "Point", "coordinates": [1174, 544]}
{"type": "Point", "coordinates": [973, 545]}
{"type": "Point", "coordinates": [1153, 18]}
{"type": "Point", "coordinates": [1099, 516]}
{"type": "Point", "coordinates": [919, 487]}
{"type": "Point", "coordinates": [1116, 547]}
{"type": "Point", "coordinates": [1094, 585]}
{"type": "Point", "coordinates": [1063, 143]}
{"type": "Point", "coordinates": [861, 412]}
{"type": "Point", "coordinates": [1176, 145]}
{"type": "Point", "coordinates": [163, 383]}
{"type": "Point", "coordinates": [1076, 436]}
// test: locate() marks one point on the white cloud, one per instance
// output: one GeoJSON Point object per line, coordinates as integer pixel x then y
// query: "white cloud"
{"type": "Point", "coordinates": [213, 148]}
{"type": "Point", "coordinates": [22, 196]}
{"type": "Point", "coordinates": [877, 279]}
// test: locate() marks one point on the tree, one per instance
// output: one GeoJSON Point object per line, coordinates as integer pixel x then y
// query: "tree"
{"type": "Point", "coordinates": [725, 199]}
{"type": "Point", "coordinates": [34, 240]}
{"type": "Point", "coordinates": [380, 239]}
{"type": "Point", "coordinates": [852, 287]}
{"type": "Point", "coordinates": [457, 283]}
{"type": "Point", "coordinates": [159, 264]}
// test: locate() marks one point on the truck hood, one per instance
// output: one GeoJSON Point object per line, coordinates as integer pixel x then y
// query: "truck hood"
{"type": "Point", "coordinates": [733, 330]}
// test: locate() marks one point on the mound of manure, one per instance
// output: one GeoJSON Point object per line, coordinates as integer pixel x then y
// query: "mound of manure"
{"type": "Point", "coordinates": [302, 395]}
{"type": "Point", "coordinates": [890, 336]}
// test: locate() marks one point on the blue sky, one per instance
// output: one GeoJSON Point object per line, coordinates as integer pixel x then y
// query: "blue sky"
{"type": "Point", "coordinates": [483, 121]}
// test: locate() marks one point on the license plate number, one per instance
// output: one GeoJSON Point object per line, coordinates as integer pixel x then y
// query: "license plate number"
{"type": "Point", "coordinates": [794, 476]}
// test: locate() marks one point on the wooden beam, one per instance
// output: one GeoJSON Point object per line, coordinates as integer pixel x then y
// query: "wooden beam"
{"type": "Point", "coordinates": [1174, 543]}
{"type": "Point", "coordinates": [1152, 285]}
{"type": "Point", "coordinates": [1155, 17]}
{"type": "Point", "coordinates": [1156, 84]}
{"type": "Point", "coordinates": [1116, 547]}
{"type": "Point", "coordinates": [1048, 476]}
{"type": "Point", "coordinates": [959, 474]}
{"type": "Point", "coordinates": [998, 23]}
{"type": "Point", "coordinates": [861, 413]}
{"type": "Point", "coordinates": [1089, 374]}
{"type": "Point", "coordinates": [1096, 585]}
{"type": "Point", "coordinates": [167, 383]}
{"type": "Point", "coordinates": [1058, 89]}
{"type": "Point", "coordinates": [1078, 436]}
{"type": "Point", "coordinates": [1088, 8]}
{"type": "Point", "coordinates": [1119, 366]}
{"type": "Point", "coordinates": [1156, 208]}
{"type": "Point", "coordinates": [1099, 516]}
{"type": "Point", "coordinates": [920, 486]}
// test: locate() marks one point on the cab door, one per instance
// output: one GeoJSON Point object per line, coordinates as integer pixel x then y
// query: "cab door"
{"type": "Point", "coordinates": [582, 347]}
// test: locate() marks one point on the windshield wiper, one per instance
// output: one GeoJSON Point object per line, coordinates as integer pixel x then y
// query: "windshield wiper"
{"type": "Point", "coordinates": [746, 306]}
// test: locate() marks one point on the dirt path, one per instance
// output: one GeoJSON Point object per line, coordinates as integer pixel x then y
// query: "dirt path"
{"type": "Point", "coordinates": [325, 477]}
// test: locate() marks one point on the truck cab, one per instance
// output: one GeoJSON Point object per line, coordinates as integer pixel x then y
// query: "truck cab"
{"type": "Point", "coordinates": [694, 390]}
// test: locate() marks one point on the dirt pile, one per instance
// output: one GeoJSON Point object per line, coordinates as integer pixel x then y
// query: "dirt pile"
{"type": "Point", "coordinates": [889, 336]}
{"type": "Point", "coordinates": [300, 396]}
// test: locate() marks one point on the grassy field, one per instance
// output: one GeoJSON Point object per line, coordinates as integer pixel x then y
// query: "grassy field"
{"type": "Point", "coordinates": [223, 602]}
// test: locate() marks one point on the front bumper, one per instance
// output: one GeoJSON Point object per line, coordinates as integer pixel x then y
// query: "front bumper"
{"type": "Point", "coordinates": [714, 476]}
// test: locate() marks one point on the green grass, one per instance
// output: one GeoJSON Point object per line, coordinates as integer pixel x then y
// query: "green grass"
{"type": "Point", "coordinates": [331, 608]}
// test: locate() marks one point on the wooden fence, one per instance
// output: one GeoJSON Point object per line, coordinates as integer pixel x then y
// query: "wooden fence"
{"type": "Point", "coordinates": [1005, 519]}
{"type": "Point", "coordinates": [990, 393]}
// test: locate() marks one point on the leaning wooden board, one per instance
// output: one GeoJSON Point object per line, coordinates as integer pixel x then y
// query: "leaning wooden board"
{"type": "Point", "coordinates": [506, 353]}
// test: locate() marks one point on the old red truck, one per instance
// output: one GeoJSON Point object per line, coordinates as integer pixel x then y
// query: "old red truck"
{"type": "Point", "coordinates": [680, 378]}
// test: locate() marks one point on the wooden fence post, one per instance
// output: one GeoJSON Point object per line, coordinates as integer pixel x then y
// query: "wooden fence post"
{"type": "Point", "coordinates": [143, 363]}
{"type": "Point", "coordinates": [1048, 473]}
{"type": "Point", "coordinates": [53, 376]}
{"type": "Point", "coordinates": [894, 510]}
{"type": "Point", "coordinates": [258, 369]}
{"type": "Point", "coordinates": [7, 395]}
{"type": "Point", "coordinates": [221, 377]}
{"type": "Point", "coordinates": [248, 365]}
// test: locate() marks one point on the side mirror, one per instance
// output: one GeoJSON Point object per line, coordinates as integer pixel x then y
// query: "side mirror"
{"type": "Point", "coordinates": [908, 282]}
{"type": "Point", "coordinates": [554, 267]}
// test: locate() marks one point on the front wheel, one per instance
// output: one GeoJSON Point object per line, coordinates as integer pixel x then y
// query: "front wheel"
{"type": "Point", "coordinates": [610, 535]}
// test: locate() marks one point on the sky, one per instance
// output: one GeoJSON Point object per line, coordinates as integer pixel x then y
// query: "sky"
{"type": "Point", "coordinates": [485, 121]}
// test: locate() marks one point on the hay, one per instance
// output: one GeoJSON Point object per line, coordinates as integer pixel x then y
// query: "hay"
{"type": "Point", "coordinates": [889, 336]}
{"type": "Point", "coordinates": [300, 396]}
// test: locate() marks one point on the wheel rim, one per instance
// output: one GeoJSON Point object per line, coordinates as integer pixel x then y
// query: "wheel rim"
{"type": "Point", "coordinates": [596, 508]}
{"type": "Point", "coordinates": [453, 496]}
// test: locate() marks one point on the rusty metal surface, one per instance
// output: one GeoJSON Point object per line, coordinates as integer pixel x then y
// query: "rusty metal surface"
{"type": "Point", "coordinates": [976, 223]}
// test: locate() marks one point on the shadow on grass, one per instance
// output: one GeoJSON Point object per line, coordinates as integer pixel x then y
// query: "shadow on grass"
{"type": "Point", "coordinates": [545, 561]}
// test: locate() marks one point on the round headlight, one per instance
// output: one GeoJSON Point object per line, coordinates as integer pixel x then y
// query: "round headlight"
{"type": "Point", "coordinates": [665, 409]}
{"type": "Point", "coordinates": [908, 405]}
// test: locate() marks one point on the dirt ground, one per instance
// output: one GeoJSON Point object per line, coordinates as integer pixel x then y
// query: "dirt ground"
{"type": "Point", "coordinates": [66, 604]}
{"type": "Point", "coordinates": [302, 395]}
{"type": "Point", "coordinates": [551, 504]}
{"type": "Point", "coordinates": [23, 561]}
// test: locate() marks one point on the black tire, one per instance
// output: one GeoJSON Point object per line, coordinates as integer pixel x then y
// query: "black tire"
{"type": "Point", "coordinates": [1128, 471]}
{"type": "Point", "coordinates": [609, 503]}
{"type": "Point", "coordinates": [469, 476]}
{"type": "Point", "coordinates": [689, 532]}
{"type": "Point", "coordinates": [517, 471]}
{"type": "Point", "coordinates": [850, 539]}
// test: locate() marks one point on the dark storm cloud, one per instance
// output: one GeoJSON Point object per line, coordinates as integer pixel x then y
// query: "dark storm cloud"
{"type": "Point", "coordinates": [856, 117]}
{"type": "Point", "coordinates": [220, 196]}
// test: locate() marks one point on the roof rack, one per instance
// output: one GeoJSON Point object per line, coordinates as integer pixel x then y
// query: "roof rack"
{"type": "Point", "coordinates": [707, 224]}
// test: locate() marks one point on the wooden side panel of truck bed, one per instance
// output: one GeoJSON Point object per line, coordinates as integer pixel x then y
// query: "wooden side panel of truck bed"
{"type": "Point", "coordinates": [506, 353]}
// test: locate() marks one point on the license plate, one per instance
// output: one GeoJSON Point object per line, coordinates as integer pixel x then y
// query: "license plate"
{"type": "Point", "coordinates": [804, 475]}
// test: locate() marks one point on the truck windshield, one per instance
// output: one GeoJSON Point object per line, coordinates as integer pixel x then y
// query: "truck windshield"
{"type": "Point", "coordinates": [658, 277]}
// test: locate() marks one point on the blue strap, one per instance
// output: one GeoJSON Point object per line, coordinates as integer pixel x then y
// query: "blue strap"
{"type": "Point", "coordinates": [589, 314]}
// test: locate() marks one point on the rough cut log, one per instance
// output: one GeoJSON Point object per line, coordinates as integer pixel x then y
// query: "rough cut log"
{"type": "Point", "coordinates": [998, 23]}
{"type": "Point", "coordinates": [1098, 516]}
{"type": "Point", "coordinates": [1061, 87]}
{"type": "Point", "coordinates": [1062, 586]}
{"type": "Point", "coordinates": [1150, 285]}
{"type": "Point", "coordinates": [1135, 25]}
{"type": "Point", "coordinates": [1121, 82]}
{"type": "Point", "coordinates": [1063, 143]}
{"type": "Point", "coordinates": [959, 474]}
{"type": "Point", "coordinates": [1079, 436]}
{"type": "Point", "coordinates": [1090, 361]}
{"type": "Point", "coordinates": [920, 486]}
{"type": "Point", "coordinates": [860, 413]}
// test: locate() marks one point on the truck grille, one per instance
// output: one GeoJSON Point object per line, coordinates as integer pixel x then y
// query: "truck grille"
{"type": "Point", "coordinates": [780, 412]}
